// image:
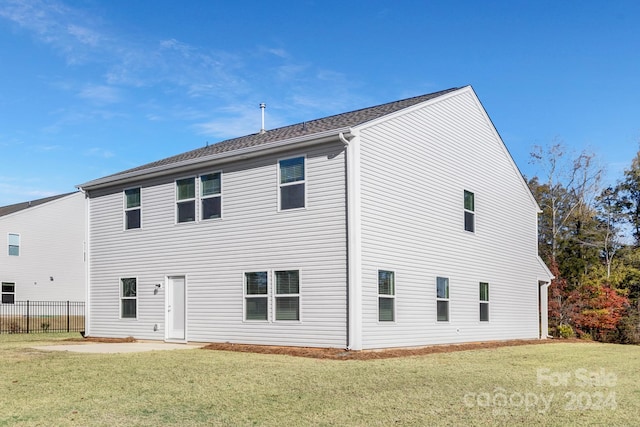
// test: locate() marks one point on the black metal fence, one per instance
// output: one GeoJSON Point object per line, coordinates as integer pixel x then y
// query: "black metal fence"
{"type": "Point", "coordinates": [25, 317]}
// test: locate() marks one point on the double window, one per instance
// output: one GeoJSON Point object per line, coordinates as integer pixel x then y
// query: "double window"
{"type": "Point", "coordinates": [129, 298]}
{"type": "Point", "coordinates": [14, 244]}
{"type": "Point", "coordinates": [132, 209]}
{"type": "Point", "coordinates": [442, 299]}
{"type": "Point", "coordinates": [258, 294]}
{"type": "Point", "coordinates": [484, 302]}
{"type": "Point", "coordinates": [386, 296]}
{"type": "Point", "coordinates": [292, 182]}
{"type": "Point", "coordinates": [469, 212]}
{"type": "Point", "coordinates": [209, 190]}
{"type": "Point", "coordinates": [8, 293]}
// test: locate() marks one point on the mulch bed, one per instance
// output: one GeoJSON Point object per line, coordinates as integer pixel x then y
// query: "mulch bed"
{"type": "Point", "coordinates": [341, 354]}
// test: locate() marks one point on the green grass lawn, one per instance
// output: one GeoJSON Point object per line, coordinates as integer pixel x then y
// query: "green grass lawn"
{"type": "Point", "coordinates": [554, 384]}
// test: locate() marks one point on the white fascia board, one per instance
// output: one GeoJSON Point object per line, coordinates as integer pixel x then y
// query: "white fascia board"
{"type": "Point", "coordinates": [213, 159]}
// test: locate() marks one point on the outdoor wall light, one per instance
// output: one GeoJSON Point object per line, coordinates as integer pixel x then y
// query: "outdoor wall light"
{"type": "Point", "coordinates": [51, 278]}
{"type": "Point", "coordinates": [155, 290]}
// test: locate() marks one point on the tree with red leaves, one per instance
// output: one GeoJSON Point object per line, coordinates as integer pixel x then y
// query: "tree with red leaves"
{"type": "Point", "coordinates": [596, 309]}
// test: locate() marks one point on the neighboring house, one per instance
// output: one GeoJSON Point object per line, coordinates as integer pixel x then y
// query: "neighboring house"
{"type": "Point", "coordinates": [44, 249]}
{"type": "Point", "coordinates": [403, 224]}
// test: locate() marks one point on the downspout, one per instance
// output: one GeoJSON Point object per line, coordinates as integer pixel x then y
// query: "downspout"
{"type": "Point", "coordinates": [354, 240]}
{"type": "Point", "coordinates": [87, 265]}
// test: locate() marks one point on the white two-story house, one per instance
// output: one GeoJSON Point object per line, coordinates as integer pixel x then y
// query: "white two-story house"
{"type": "Point", "coordinates": [43, 254]}
{"type": "Point", "coordinates": [402, 224]}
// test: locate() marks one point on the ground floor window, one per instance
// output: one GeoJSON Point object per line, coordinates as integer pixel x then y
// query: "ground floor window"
{"type": "Point", "coordinates": [256, 295]}
{"type": "Point", "coordinates": [484, 302]}
{"type": "Point", "coordinates": [386, 296]}
{"type": "Point", "coordinates": [442, 299]}
{"type": "Point", "coordinates": [287, 295]}
{"type": "Point", "coordinates": [129, 298]}
{"type": "Point", "coordinates": [8, 293]}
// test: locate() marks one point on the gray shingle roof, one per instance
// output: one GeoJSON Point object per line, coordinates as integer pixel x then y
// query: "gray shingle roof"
{"type": "Point", "coordinates": [6, 210]}
{"type": "Point", "coordinates": [338, 121]}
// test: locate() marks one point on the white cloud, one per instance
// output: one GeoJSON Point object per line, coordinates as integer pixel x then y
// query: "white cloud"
{"type": "Point", "coordinates": [99, 152]}
{"type": "Point", "coordinates": [100, 94]}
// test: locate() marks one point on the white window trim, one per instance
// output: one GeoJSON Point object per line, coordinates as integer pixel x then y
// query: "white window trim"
{"type": "Point", "coordinates": [121, 297]}
{"type": "Point", "coordinates": [196, 213]}
{"type": "Point", "coordinates": [125, 209]}
{"type": "Point", "coordinates": [484, 302]}
{"type": "Point", "coordinates": [245, 296]}
{"type": "Point", "coordinates": [448, 300]}
{"type": "Point", "coordinates": [200, 197]}
{"type": "Point", "coordinates": [472, 212]}
{"type": "Point", "coordinates": [304, 181]}
{"type": "Point", "coordinates": [275, 295]}
{"type": "Point", "coordinates": [392, 297]}
{"type": "Point", "coordinates": [9, 243]}
{"type": "Point", "coordinates": [2, 293]}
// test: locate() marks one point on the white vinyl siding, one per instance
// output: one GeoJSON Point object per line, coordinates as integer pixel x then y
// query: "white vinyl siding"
{"type": "Point", "coordinates": [215, 254]}
{"type": "Point", "coordinates": [416, 225]}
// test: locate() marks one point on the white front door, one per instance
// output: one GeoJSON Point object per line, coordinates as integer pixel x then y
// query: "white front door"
{"type": "Point", "coordinates": [176, 300]}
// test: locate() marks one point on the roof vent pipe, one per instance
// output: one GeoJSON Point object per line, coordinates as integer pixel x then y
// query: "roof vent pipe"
{"type": "Point", "coordinates": [262, 107]}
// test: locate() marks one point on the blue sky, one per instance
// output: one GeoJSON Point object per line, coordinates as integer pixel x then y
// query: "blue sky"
{"type": "Point", "coordinates": [90, 87]}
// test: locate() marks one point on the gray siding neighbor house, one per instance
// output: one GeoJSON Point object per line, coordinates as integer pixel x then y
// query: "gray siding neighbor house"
{"type": "Point", "coordinates": [402, 224]}
{"type": "Point", "coordinates": [43, 258]}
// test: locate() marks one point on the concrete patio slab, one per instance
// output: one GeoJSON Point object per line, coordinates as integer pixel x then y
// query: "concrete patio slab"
{"type": "Point", "coordinates": [129, 347]}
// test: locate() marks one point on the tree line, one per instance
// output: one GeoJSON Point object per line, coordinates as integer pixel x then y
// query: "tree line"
{"type": "Point", "coordinates": [589, 236]}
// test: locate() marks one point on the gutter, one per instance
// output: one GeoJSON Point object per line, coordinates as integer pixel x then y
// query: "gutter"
{"type": "Point", "coordinates": [197, 162]}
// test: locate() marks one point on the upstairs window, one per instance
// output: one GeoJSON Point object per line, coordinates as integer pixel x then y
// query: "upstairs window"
{"type": "Point", "coordinates": [256, 296]}
{"type": "Point", "coordinates": [287, 295]}
{"type": "Point", "coordinates": [186, 199]}
{"type": "Point", "coordinates": [442, 299]}
{"type": "Point", "coordinates": [132, 209]}
{"type": "Point", "coordinates": [14, 244]}
{"type": "Point", "coordinates": [129, 298]}
{"type": "Point", "coordinates": [386, 296]}
{"type": "Point", "coordinates": [484, 302]}
{"type": "Point", "coordinates": [8, 293]}
{"type": "Point", "coordinates": [469, 211]}
{"type": "Point", "coordinates": [291, 183]}
{"type": "Point", "coordinates": [211, 196]}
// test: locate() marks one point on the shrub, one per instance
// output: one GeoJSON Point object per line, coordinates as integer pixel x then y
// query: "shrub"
{"type": "Point", "coordinates": [565, 331]}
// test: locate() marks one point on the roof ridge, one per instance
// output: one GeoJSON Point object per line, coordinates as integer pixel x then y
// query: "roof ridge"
{"type": "Point", "coordinates": [301, 129]}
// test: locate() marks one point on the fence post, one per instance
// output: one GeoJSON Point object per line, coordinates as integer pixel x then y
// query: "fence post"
{"type": "Point", "coordinates": [27, 316]}
{"type": "Point", "coordinates": [67, 316]}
